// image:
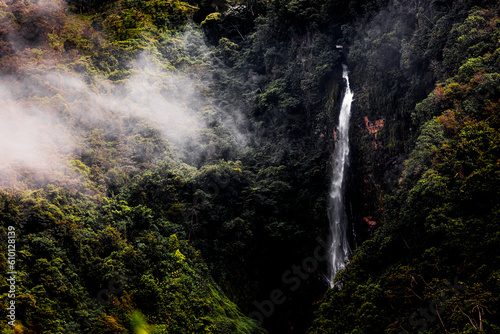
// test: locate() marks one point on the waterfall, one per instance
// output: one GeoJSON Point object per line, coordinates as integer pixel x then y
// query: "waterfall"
{"type": "Point", "coordinates": [339, 240]}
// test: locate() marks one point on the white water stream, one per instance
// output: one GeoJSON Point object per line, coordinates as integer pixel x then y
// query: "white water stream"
{"type": "Point", "coordinates": [339, 240]}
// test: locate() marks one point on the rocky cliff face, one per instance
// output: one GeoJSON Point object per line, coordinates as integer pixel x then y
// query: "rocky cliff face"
{"type": "Point", "coordinates": [424, 170]}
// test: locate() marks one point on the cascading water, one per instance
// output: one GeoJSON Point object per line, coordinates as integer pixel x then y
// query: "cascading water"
{"type": "Point", "coordinates": [339, 240]}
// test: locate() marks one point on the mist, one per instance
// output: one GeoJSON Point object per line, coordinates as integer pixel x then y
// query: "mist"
{"type": "Point", "coordinates": [33, 143]}
{"type": "Point", "coordinates": [53, 117]}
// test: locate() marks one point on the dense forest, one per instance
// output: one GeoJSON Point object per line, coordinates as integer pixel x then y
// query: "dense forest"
{"type": "Point", "coordinates": [165, 166]}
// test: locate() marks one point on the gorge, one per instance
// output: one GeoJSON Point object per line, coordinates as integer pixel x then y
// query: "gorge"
{"type": "Point", "coordinates": [174, 166]}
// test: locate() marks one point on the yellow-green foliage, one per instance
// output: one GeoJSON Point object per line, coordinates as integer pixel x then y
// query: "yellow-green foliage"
{"type": "Point", "coordinates": [128, 19]}
{"type": "Point", "coordinates": [210, 18]}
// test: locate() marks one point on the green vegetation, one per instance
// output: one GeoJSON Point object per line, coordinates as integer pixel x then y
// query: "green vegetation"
{"type": "Point", "coordinates": [431, 266]}
{"type": "Point", "coordinates": [163, 164]}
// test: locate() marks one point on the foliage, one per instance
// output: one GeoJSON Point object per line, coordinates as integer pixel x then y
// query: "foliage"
{"type": "Point", "coordinates": [186, 156]}
{"type": "Point", "coordinates": [431, 260]}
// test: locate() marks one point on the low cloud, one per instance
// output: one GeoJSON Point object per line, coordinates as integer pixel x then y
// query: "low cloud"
{"type": "Point", "coordinates": [49, 119]}
{"type": "Point", "coordinates": [50, 116]}
{"type": "Point", "coordinates": [32, 142]}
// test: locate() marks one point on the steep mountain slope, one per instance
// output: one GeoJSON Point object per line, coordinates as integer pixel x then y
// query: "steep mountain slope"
{"type": "Point", "coordinates": [431, 265]}
{"type": "Point", "coordinates": [158, 156]}
{"type": "Point", "coordinates": [92, 106]}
